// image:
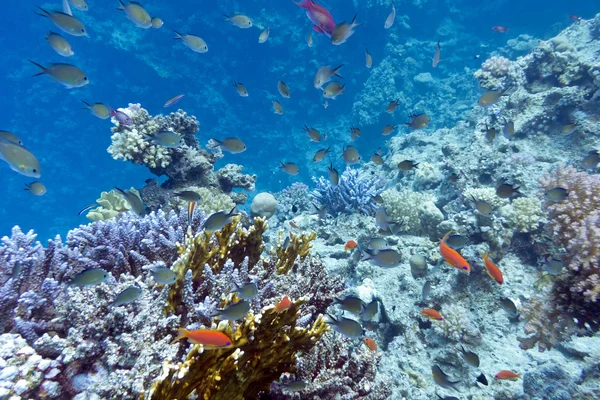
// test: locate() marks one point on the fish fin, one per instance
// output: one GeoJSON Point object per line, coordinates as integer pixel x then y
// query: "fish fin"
{"type": "Point", "coordinates": [226, 16]}
{"type": "Point", "coordinates": [354, 20]}
{"type": "Point", "coordinates": [120, 191]}
{"type": "Point", "coordinates": [86, 103]}
{"type": "Point", "coordinates": [122, 8]}
{"type": "Point", "coordinates": [43, 69]}
{"type": "Point", "coordinates": [317, 29]}
{"type": "Point", "coordinates": [218, 141]}
{"type": "Point", "coordinates": [335, 71]}
{"type": "Point", "coordinates": [45, 13]}
{"type": "Point", "coordinates": [179, 35]}
{"type": "Point", "coordinates": [181, 334]}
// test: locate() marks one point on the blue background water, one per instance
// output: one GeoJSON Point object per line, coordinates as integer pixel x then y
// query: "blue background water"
{"type": "Point", "coordinates": [126, 64]}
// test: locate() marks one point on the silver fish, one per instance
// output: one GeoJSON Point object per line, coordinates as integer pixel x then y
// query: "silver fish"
{"type": "Point", "coordinates": [346, 326]}
{"type": "Point", "coordinates": [289, 168]}
{"type": "Point", "coordinates": [387, 258]}
{"type": "Point", "coordinates": [556, 194]}
{"type": "Point", "coordinates": [163, 275]}
{"type": "Point", "coordinates": [137, 205]}
{"type": "Point", "coordinates": [100, 110]}
{"type": "Point", "coordinates": [127, 296]}
{"type": "Point", "coordinates": [247, 291]}
{"type": "Point", "coordinates": [195, 43]}
{"type": "Point", "coordinates": [426, 290]}
{"type": "Point", "coordinates": [188, 195]}
{"type": "Point", "coordinates": [67, 23]}
{"type": "Point", "coordinates": [11, 137]}
{"type": "Point", "coordinates": [36, 188]}
{"type": "Point", "coordinates": [377, 243]}
{"type": "Point", "coordinates": [352, 304]}
{"type": "Point", "coordinates": [218, 220]}
{"type": "Point", "coordinates": [59, 44]}
{"type": "Point", "coordinates": [441, 378]}
{"type": "Point", "coordinates": [89, 277]}
{"type": "Point", "coordinates": [325, 74]}
{"type": "Point", "coordinates": [389, 21]}
{"type": "Point", "coordinates": [471, 358]}
{"type": "Point", "coordinates": [232, 145]}
{"type": "Point", "coordinates": [19, 158]}
{"type": "Point", "coordinates": [16, 271]}
{"type": "Point", "coordinates": [342, 31]}
{"type": "Point", "coordinates": [66, 74]}
{"type": "Point", "coordinates": [233, 312]}
{"type": "Point", "coordinates": [369, 311]}
{"type": "Point", "coordinates": [240, 20]}
{"type": "Point", "coordinates": [552, 265]}
{"type": "Point", "coordinates": [136, 14]}
{"type": "Point", "coordinates": [264, 36]}
{"type": "Point", "coordinates": [167, 139]}
{"type": "Point", "coordinates": [295, 386]}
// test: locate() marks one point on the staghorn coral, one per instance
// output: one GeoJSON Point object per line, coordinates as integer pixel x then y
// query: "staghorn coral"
{"type": "Point", "coordinates": [111, 204]}
{"type": "Point", "coordinates": [354, 193]}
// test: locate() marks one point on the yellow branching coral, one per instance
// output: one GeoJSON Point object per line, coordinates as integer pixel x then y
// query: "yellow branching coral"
{"type": "Point", "coordinates": [298, 246]}
{"type": "Point", "coordinates": [264, 347]}
{"type": "Point", "coordinates": [232, 242]}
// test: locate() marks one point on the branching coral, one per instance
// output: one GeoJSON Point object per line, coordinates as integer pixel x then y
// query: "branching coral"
{"type": "Point", "coordinates": [354, 193]}
{"type": "Point", "coordinates": [293, 200]}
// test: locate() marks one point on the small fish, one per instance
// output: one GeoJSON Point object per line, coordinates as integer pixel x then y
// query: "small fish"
{"type": "Point", "coordinates": [314, 134]}
{"type": "Point", "coordinates": [100, 110]}
{"type": "Point", "coordinates": [320, 17]}
{"type": "Point", "coordinates": [136, 14]}
{"type": "Point", "coordinates": [455, 241]}
{"type": "Point", "coordinates": [471, 358]}
{"type": "Point", "coordinates": [557, 194]}
{"type": "Point", "coordinates": [425, 291]}
{"type": "Point", "coordinates": [388, 129]}
{"type": "Point", "coordinates": [292, 224]}
{"type": "Point", "coordinates": [392, 106]}
{"type": "Point", "coordinates": [418, 121]}
{"type": "Point", "coordinates": [506, 191]}
{"type": "Point", "coordinates": [552, 265]}
{"type": "Point", "coordinates": [309, 39]}
{"type": "Point", "coordinates": [89, 277]}
{"type": "Point", "coordinates": [407, 165]}
{"type": "Point", "coordinates": [387, 258]}
{"type": "Point", "coordinates": [190, 214]}
{"type": "Point", "coordinates": [483, 207]}
{"type": "Point", "coordinates": [482, 379]}
{"type": "Point", "coordinates": [209, 338]}
{"type": "Point", "coordinates": [277, 107]}
{"type": "Point", "coordinates": [377, 159]}
{"type": "Point", "coordinates": [368, 59]}
{"type": "Point", "coordinates": [295, 386]}
{"type": "Point", "coordinates": [436, 56]}
{"type": "Point", "coordinates": [163, 275]}
{"type": "Point", "coordinates": [241, 89]}
{"type": "Point", "coordinates": [591, 160]}
{"type": "Point", "coordinates": [368, 312]}
{"type": "Point", "coordinates": [11, 137]}
{"type": "Point", "coordinates": [66, 74]}
{"type": "Point", "coordinates": [384, 222]}
{"type": "Point", "coordinates": [453, 178]}
{"type": "Point", "coordinates": [389, 21]}
{"type": "Point", "coordinates": [334, 176]}
{"type": "Point", "coordinates": [320, 154]}
{"type": "Point", "coordinates": [218, 220]}
{"type": "Point", "coordinates": [233, 312]}
{"type": "Point", "coordinates": [188, 195]}
{"type": "Point", "coordinates": [342, 31]}
{"type": "Point", "coordinates": [333, 90]}
{"type": "Point", "coordinates": [16, 270]}
{"type": "Point", "coordinates": [127, 296]}
{"type": "Point", "coordinates": [283, 89]}
{"type": "Point", "coordinates": [283, 304]}
{"type": "Point", "coordinates": [239, 20]}
{"type": "Point", "coordinates": [67, 23]}
{"type": "Point", "coordinates": [321, 211]}
{"type": "Point", "coordinates": [121, 117]}
{"type": "Point", "coordinates": [490, 133]}
{"type": "Point", "coordinates": [59, 44]}
{"type": "Point", "coordinates": [247, 291]}
{"type": "Point", "coordinates": [453, 257]}
{"type": "Point", "coordinates": [232, 145]}
{"type": "Point", "coordinates": [507, 375]}
{"type": "Point", "coordinates": [354, 133]}
{"type": "Point", "coordinates": [80, 5]}
{"type": "Point", "coordinates": [352, 304]}
{"type": "Point", "coordinates": [264, 35]}
{"type": "Point", "coordinates": [194, 43]}
{"type": "Point", "coordinates": [499, 28]}
{"type": "Point", "coordinates": [137, 205]}
{"type": "Point", "coordinates": [173, 100]}
{"type": "Point", "coordinates": [19, 158]}
{"type": "Point", "coordinates": [370, 344]}
{"type": "Point", "coordinates": [325, 104]}
{"type": "Point", "coordinates": [432, 314]}
{"type": "Point", "coordinates": [156, 23]}
{"type": "Point", "coordinates": [568, 129]}
{"type": "Point", "coordinates": [377, 244]}
{"type": "Point", "coordinates": [289, 168]}
{"type": "Point", "coordinates": [509, 306]}
{"type": "Point", "coordinates": [346, 326]}
{"type": "Point", "coordinates": [350, 155]}
{"type": "Point", "coordinates": [168, 139]}
{"type": "Point", "coordinates": [325, 74]}
{"type": "Point", "coordinates": [87, 208]}
{"type": "Point", "coordinates": [509, 129]}
{"type": "Point", "coordinates": [36, 188]}
{"type": "Point", "coordinates": [490, 98]}
{"type": "Point", "coordinates": [441, 378]}
{"type": "Point", "coordinates": [575, 18]}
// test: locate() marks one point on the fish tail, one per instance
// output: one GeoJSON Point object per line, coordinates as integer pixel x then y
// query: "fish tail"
{"type": "Point", "coordinates": [179, 35]}
{"type": "Point", "coordinates": [45, 13]}
{"type": "Point", "coordinates": [122, 5]}
{"type": "Point", "coordinates": [218, 141]}
{"type": "Point", "coordinates": [335, 70]}
{"type": "Point", "coordinates": [231, 213]}
{"type": "Point", "coordinates": [354, 20]}
{"type": "Point", "coordinates": [43, 69]}
{"type": "Point", "coordinates": [86, 103]}
{"type": "Point", "coordinates": [121, 191]}
{"type": "Point", "coordinates": [226, 16]}
{"type": "Point", "coordinates": [181, 334]}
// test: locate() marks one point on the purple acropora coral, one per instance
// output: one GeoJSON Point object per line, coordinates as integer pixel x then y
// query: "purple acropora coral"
{"type": "Point", "coordinates": [574, 224]}
{"type": "Point", "coordinates": [353, 194]}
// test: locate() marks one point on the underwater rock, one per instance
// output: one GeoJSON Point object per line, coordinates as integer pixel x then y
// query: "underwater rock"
{"type": "Point", "coordinates": [549, 382]}
{"type": "Point", "coordinates": [264, 205]}
{"type": "Point", "coordinates": [418, 266]}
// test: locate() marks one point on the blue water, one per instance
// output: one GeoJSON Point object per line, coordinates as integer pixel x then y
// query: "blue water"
{"type": "Point", "coordinates": [126, 64]}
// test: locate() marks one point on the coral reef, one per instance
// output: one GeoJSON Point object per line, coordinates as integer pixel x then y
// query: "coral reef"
{"type": "Point", "coordinates": [354, 193]}
{"type": "Point", "coordinates": [415, 211]}
{"type": "Point", "coordinates": [111, 204]}
{"type": "Point", "coordinates": [292, 201]}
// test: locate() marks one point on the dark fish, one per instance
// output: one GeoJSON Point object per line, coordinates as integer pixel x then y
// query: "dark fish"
{"type": "Point", "coordinates": [352, 304]}
{"type": "Point", "coordinates": [506, 191]}
{"type": "Point", "coordinates": [441, 378]}
{"type": "Point", "coordinates": [483, 207]}
{"type": "Point", "coordinates": [388, 258]}
{"type": "Point", "coordinates": [233, 312]}
{"type": "Point", "coordinates": [294, 208]}
{"type": "Point", "coordinates": [188, 195]}
{"type": "Point", "coordinates": [455, 241]}
{"type": "Point", "coordinates": [591, 160]}
{"type": "Point", "coordinates": [321, 211]}
{"type": "Point", "coordinates": [392, 106]}
{"type": "Point", "coordinates": [354, 133]}
{"type": "Point", "coordinates": [490, 133]}
{"type": "Point", "coordinates": [471, 358]}
{"type": "Point", "coordinates": [425, 291]}
{"type": "Point", "coordinates": [556, 194]}
{"type": "Point", "coordinates": [137, 205]}
{"type": "Point", "coordinates": [377, 159]}
{"type": "Point", "coordinates": [127, 296]}
{"type": "Point", "coordinates": [407, 165]}
{"type": "Point", "coordinates": [509, 306]}
{"type": "Point", "coordinates": [89, 277]}
{"type": "Point", "coordinates": [509, 129]}
{"type": "Point", "coordinates": [482, 379]}
{"type": "Point", "coordinates": [334, 176]}
{"type": "Point", "coordinates": [418, 121]}
{"type": "Point", "coordinates": [346, 326]}
{"type": "Point", "coordinates": [369, 311]}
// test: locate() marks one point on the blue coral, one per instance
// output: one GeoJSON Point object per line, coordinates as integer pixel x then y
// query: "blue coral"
{"type": "Point", "coordinates": [354, 194]}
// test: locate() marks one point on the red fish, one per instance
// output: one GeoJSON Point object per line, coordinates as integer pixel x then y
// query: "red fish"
{"type": "Point", "coordinates": [319, 16]}
{"type": "Point", "coordinates": [370, 344]}
{"type": "Point", "coordinates": [283, 305]}
{"type": "Point", "coordinates": [507, 375]}
{"type": "Point", "coordinates": [210, 339]}
{"type": "Point", "coordinates": [500, 28]}
{"type": "Point", "coordinates": [452, 256]}
{"type": "Point", "coordinates": [120, 116]}
{"type": "Point", "coordinates": [350, 245]}
{"type": "Point", "coordinates": [492, 270]}
{"type": "Point", "coordinates": [432, 314]}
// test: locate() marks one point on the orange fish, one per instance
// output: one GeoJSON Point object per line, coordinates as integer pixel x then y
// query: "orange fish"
{"type": "Point", "coordinates": [507, 375]}
{"type": "Point", "coordinates": [492, 270]}
{"type": "Point", "coordinates": [293, 225]}
{"type": "Point", "coordinates": [452, 256]}
{"type": "Point", "coordinates": [432, 314]}
{"type": "Point", "coordinates": [191, 208]}
{"type": "Point", "coordinates": [283, 305]}
{"type": "Point", "coordinates": [210, 339]}
{"type": "Point", "coordinates": [370, 344]}
{"type": "Point", "coordinates": [350, 245]}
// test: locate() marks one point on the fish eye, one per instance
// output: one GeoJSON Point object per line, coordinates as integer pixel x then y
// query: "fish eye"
{"type": "Point", "coordinates": [35, 170]}
{"type": "Point", "coordinates": [228, 344]}
{"type": "Point", "coordinates": [465, 267]}
{"type": "Point", "coordinates": [85, 78]}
